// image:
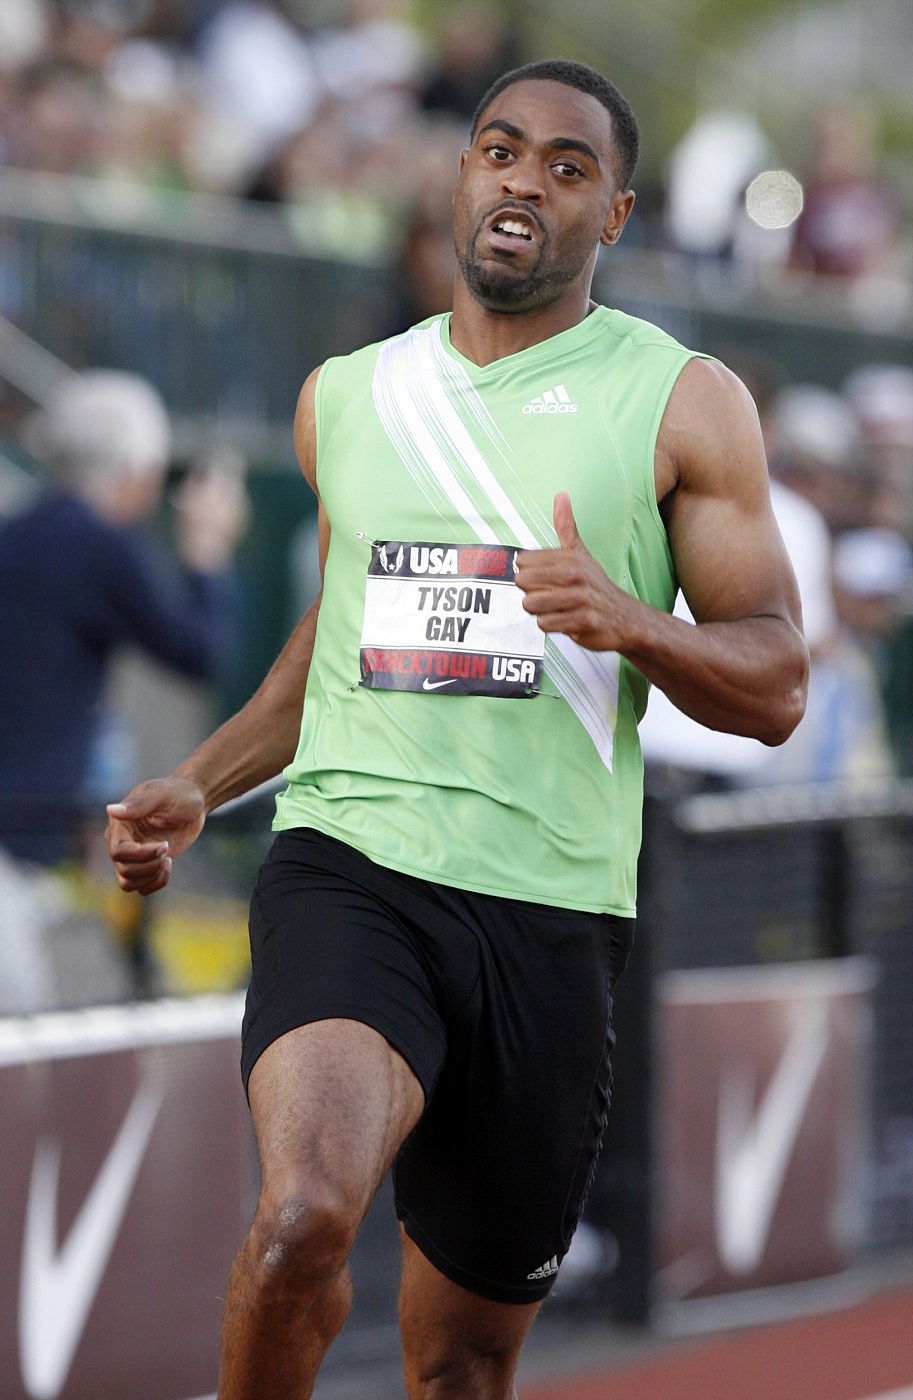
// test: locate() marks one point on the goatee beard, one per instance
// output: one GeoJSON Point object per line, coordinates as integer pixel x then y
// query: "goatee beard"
{"type": "Point", "coordinates": [496, 288]}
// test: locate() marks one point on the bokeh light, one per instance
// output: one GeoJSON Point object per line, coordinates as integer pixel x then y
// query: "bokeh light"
{"type": "Point", "coordinates": [774, 199]}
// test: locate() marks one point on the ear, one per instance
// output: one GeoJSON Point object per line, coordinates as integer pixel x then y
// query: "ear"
{"type": "Point", "coordinates": [617, 217]}
{"type": "Point", "coordinates": [464, 156]}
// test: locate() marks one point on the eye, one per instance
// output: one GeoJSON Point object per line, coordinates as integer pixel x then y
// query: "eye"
{"type": "Point", "coordinates": [498, 153]}
{"type": "Point", "coordinates": [567, 167]}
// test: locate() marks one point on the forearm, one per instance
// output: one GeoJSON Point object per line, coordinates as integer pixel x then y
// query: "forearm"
{"type": "Point", "coordinates": [742, 677]}
{"type": "Point", "coordinates": [260, 740]}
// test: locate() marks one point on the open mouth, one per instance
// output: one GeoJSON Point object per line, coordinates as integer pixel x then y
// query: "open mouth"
{"type": "Point", "coordinates": [513, 228]}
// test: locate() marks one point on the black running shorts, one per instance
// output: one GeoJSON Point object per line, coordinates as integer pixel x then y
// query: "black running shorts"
{"type": "Point", "coordinates": [502, 1009]}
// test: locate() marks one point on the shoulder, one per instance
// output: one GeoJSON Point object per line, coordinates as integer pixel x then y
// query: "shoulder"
{"type": "Point", "coordinates": [105, 553]}
{"type": "Point", "coordinates": [710, 428]}
{"type": "Point", "coordinates": [333, 388]}
{"type": "Point", "coordinates": [705, 386]}
{"type": "Point", "coordinates": [642, 362]}
{"type": "Point", "coordinates": [83, 530]}
{"type": "Point", "coordinates": [330, 387]}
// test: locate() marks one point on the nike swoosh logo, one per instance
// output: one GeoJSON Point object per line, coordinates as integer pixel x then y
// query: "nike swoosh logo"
{"type": "Point", "coordinates": [58, 1287]}
{"type": "Point", "coordinates": [436, 685]}
{"type": "Point", "coordinates": [752, 1156]}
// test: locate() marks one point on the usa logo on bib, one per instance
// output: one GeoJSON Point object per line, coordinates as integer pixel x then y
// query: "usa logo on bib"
{"type": "Point", "coordinates": [448, 619]}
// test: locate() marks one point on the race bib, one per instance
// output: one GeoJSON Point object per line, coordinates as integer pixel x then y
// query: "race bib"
{"type": "Point", "coordinates": [448, 619]}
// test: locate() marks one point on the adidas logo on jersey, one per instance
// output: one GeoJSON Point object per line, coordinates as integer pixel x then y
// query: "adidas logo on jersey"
{"type": "Point", "coordinates": [545, 1270]}
{"type": "Point", "coordinates": [556, 400]}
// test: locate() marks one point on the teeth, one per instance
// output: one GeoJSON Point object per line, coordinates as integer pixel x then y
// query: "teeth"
{"type": "Point", "coordinates": [512, 226]}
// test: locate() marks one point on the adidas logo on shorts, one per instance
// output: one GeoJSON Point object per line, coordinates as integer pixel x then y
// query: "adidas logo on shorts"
{"type": "Point", "coordinates": [545, 1270]}
{"type": "Point", "coordinates": [556, 400]}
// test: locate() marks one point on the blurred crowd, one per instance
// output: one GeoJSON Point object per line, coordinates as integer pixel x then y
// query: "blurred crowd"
{"type": "Point", "coordinates": [843, 218]}
{"type": "Point", "coordinates": [352, 124]}
{"type": "Point", "coordinates": [349, 114]}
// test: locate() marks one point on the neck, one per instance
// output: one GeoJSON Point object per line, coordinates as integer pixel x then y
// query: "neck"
{"type": "Point", "coordinates": [484, 335]}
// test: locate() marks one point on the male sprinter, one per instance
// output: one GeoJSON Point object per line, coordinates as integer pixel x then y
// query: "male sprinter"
{"type": "Point", "coordinates": [509, 497]}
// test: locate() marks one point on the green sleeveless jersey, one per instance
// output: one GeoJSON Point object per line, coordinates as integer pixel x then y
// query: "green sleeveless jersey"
{"type": "Point", "coordinates": [443, 734]}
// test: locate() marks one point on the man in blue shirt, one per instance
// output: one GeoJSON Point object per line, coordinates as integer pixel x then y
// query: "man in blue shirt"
{"type": "Point", "coordinates": [79, 578]}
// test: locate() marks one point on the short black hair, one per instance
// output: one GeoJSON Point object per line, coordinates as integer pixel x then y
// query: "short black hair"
{"type": "Point", "coordinates": [585, 79]}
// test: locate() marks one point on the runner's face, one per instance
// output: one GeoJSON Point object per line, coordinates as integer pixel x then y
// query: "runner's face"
{"type": "Point", "coordinates": [536, 195]}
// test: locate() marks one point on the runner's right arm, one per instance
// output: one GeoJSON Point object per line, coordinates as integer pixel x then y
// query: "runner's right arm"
{"type": "Point", "coordinates": [162, 817]}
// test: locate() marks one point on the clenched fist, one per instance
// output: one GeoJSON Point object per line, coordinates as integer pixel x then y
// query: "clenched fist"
{"type": "Point", "coordinates": [152, 825]}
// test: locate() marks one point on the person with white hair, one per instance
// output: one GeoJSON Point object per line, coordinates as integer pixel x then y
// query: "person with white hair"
{"type": "Point", "coordinates": [816, 450]}
{"type": "Point", "coordinates": [78, 580]}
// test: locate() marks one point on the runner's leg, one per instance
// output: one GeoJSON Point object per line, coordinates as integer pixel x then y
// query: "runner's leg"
{"type": "Point", "coordinates": [457, 1345]}
{"type": "Point", "coordinates": [331, 1103]}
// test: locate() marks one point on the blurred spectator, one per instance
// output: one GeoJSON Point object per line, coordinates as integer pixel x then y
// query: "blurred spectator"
{"type": "Point", "coordinates": [206, 93]}
{"type": "Point", "coordinates": [475, 47]}
{"type": "Point", "coordinates": [54, 124]}
{"type": "Point", "coordinates": [426, 262]}
{"type": "Point", "coordinates": [873, 580]}
{"type": "Point", "coordinates": [815, 448]}
{"type": "Point", "coordinates": [79, 580]}
{"type": "Point", "coordinates": [88, 34]}
{"type": "Point", "coordinates": [708, 172]}
{"type": "Point", "coordinates": [371, 67]}
{"type": "Point", "coordinates": [426, 270]}
{"type": "Point", "coordinates": [851, 216]}
{"type": "Point", "coordinates": [343, 197]}
{"type": "Point", "coordinates": [25, 33]}
{"type": "Point", "coordinates": [258, 71]}
{"type": "Point", "coordinates": [881, 396]}
{"type": "Point", "coordinates": [873, 583]}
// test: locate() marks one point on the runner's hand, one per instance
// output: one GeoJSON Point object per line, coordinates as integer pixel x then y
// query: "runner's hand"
{"type": "Point", "coordinates": [569, 591]}
{"type": "Point", "coordinates": [152, 825]}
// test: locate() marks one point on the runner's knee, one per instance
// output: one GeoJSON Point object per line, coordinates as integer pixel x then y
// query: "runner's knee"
{"type": "Point", "coordinates": [458, 1368]}
{"type": "Point", "coordinates": [302, 1239]}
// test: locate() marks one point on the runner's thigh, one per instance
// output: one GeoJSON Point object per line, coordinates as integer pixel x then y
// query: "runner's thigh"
{"type": "Point", "coordinates": [331, 1102]}
{"type": "Point", "coordinates": [342, 1036]}
{"type": "Point", "coordinates": [331, 937]}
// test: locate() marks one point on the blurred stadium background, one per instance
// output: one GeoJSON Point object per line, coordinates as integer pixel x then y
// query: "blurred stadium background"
{"type": "Point", "coordinates": [216, 195]}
